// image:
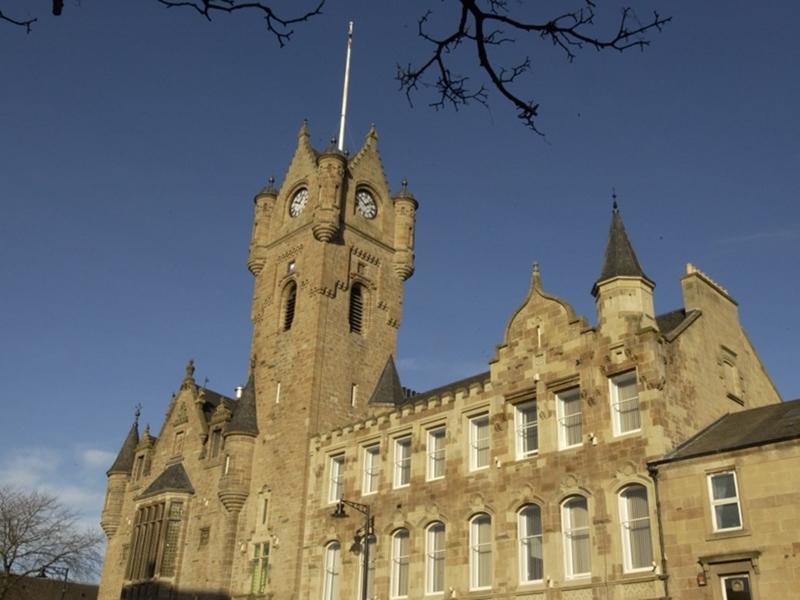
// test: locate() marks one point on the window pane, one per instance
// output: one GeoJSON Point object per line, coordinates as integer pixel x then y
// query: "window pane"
{"type": "Point", "coordinates": [481, 554]}
{"type": "Point", "coordinates": [723, 486]}
{"type": "Point", "coordinates": [575, 517]}
{"type": "Point", "coordinates": [737, 587]}
{"type": "Point", "coordinates": [479, 432]}
{"type": "Point", "coordinates": [400, 564]}
{"type": "Point", "coordinates": [727, 516]}
{"type": "Point", "coordinates": [530, 538]}
{"type": "Point", "coordinates": [435, 559]}
{"type": "Point", "coordinates": [332, 567]}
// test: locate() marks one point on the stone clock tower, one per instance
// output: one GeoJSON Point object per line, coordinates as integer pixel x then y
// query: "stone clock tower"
{"type": "Point", "coordinates": [330, 251]}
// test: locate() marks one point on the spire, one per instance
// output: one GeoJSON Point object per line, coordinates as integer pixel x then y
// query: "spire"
{"type": "Point", "coordinates": [244, 421]}
{"type": "Point", "coordinates": [620, 259]}
{"type": "Point", "coordinates": [124, 462]}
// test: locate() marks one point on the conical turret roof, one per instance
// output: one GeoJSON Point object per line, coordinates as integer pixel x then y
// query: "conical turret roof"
{"type": "Point", "coordinates": [388, 389]}
{"type": "Point", "coordinates": [244, 420]}
{"type": "Point", "coordinates": [124, 460]}
{"type": "Point", "coordinates": [620, 259]}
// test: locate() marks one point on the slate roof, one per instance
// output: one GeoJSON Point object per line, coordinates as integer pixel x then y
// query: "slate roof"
{"type": "Point", "coordinates": [669, 321]}
{"type": "Point", "coordinates": [388, 389]}
{"type": "Point", "coordinates": [620, 259]}
{"type": "Point", "coordinates": [244, 419]}
{"type": "Point", "coordinates": [124, 460]}
{"type": "Point", "coordinates": [172, 479]}
{"type": "Point", "coordinates": [743, 429]}
{"type": "Point", "coordinates": [212, 399]}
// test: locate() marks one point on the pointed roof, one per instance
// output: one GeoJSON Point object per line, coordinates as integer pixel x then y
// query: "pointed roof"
{"type": "Point", "coordinates": [388, 389]}
{"type": "Point", "coordinates": [244, 420]}
{"type": "Point", "coordinates": [172, 479]}
{"type": "Point", "coordinates": [620, 259]}
{"type": "Point", "coordinates": [124, 461]}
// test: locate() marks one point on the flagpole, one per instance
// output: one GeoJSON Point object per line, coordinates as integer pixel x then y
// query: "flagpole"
{"type": "Point", "coordinates": [346, 84]}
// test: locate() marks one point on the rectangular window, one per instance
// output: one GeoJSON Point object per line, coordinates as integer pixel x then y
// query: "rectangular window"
{"type": "Point", "coordinates": [570, 428]}
{"type": "Point", "coordinates": [625, 403]}
{"type": "Point", "coordinates": [177, 447]}
{"type": "Point", "coordinates": [205, 534]}
{"type": "Point", "coordinates": [372, 469]}
{"type": "Point", "coordinates": [527, 428]}
{"type": "Point", "coordinates": [434, 559]}
{"type": "Point", "coordinates": [336, 474]}
{"type": "Point", "coordinates": [402, 461]}
{"type": "Point", "coordinates": [575, 525]}
{"type": "Point", "coordinates": [259, 568]}
{"type": "Point", "coordinates": [480, 558]}
{"type": "Point", "coordinates": [156, 534]}
{"type": "Point", "coordinates": [736, 587]}
{"type": "Point", "coordinates": [215, 442]}
{"type": "Point", "coordinates": [138, 468]}
{"type": "Point", "coordinates": [724, 495]}
{"type": "Point", "coordinates": [479, 442]}
{"type": "Point", "coordinates": [436, 453]}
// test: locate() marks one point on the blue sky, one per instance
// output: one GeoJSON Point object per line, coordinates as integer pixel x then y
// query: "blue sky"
{"type": "Point", "coordinates": [132, 140]}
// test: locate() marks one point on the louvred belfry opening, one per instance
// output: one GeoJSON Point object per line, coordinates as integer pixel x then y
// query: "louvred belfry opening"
{"type": "Point", "coordinates": [289, 304]}
{"type": "Point", "coordinates": [356, 308]}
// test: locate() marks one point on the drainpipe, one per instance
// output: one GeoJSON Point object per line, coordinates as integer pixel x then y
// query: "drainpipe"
{"type": "Point", "coordinates": [653, 471]}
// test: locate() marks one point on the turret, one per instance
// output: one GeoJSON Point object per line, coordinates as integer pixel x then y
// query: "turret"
{"type": "Point", "coordinates": [405, 218]}
{"type": "Point", "coordinates": [623, 293]}
{"type": "Point", "coordinates": [118, 476]}
{"type": "Point", "coordinates": [264, 203]}
{"type": "Point", "coordinates": [327, 216]}
{"type": "Point", "coordinates": [240, 434]}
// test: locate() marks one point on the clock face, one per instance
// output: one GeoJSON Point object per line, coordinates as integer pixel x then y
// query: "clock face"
{"type": "Point", "coordinates": [298, 203]}
{"type": "Point", "coordinates": [365, 204]}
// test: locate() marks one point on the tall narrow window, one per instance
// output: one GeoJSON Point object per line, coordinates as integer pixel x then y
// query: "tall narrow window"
{"type": "Point", "coordinates": [527, 429]}
{"type": "Point", "coordinates": [435, 451]}
{"type": "Point", "coordinates": [335, 472]}
{"type": "Point", "coordinates": [531, 555]}
{"type": "Point", "coordinates": [399, 575]}
{"type": "Point", "coordinates": [264, 511]}
{"type": "Point", "coordinates": [215, 442]}
{"type": "Point", "coordinates": [625, 403]}
{"type": "Point", "coordinates": [259, 566]}
{"type": "Point", "coordinates": [290, 299]}
{"type": "Point", "coordinates": [138, 467]}
{"type": "Point", "coordinates": [356, 308]}
{"type": "Point", "coordinates": [434, 558]}
{"type": "Point", "coordinates": [479, 442]}
{"type": "Point", "coordinates": [173, 528]}
{"type": "Point", "coordinates": [372, 469]}
{"type": "Point", "coordinates": [575, 525]}
{"type": "Point", "coordinates": [480, 552]}
{"type": "Point", "coordinates": [370, 571]}
{"type": "Point", "coordinates": [570, 432]}
{"type": "Point", "coordinates": [330, 584]}
{"type": "Point", "coordinates": [724, 494]}
{"type": "Point", "coordinates": [402, 461]}
{"type": "Point", "coordinates": [634, 517]}
{"type": "Point", "coordinates": [177, 446]}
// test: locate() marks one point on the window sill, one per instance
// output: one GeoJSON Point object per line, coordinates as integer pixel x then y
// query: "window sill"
{"type": "Point", "coordinates": [624, 434]}
{"type": "Point", "coordinates": [528, 456]}
{"type": "Point", "coordinates": [728, 534]}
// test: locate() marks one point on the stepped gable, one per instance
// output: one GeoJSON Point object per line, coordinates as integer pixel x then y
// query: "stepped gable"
{"type": "Point", "coordinates": [172, 479]}
{"type": "Point", "coordinates": [620, 259]}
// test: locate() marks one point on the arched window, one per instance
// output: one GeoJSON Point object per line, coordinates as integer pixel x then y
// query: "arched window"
{"type": "Point", "coordinates": [575, 526]}
{"type": "Point", "coordinates": [356, 314]}
{"type": "Point", "coordinates": [634, 516]}
{"type": "Point", "coordinates": [400, 549]}
{"type": "Point", "coordinates": [480, 552]}
{"type": "Point", "coordinates": [289, 301]}
{"type": "Point", "coordinates": [434, 558]}
{"type": "Point", "coordinates": [330, 584]}
{"type": "Point", "coordinates": [529, 531]}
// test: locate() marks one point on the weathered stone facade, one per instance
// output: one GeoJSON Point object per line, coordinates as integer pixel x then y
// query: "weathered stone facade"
{"type": "Point", "coordinates": [560, 429]}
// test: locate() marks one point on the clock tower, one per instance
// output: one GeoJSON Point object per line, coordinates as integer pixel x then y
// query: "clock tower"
{"type": "Point", "coordinates": [329, 252]}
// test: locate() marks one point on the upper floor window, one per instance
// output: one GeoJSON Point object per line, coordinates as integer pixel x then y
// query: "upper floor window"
{"type": "Point", "coordinates": [356, 313]}
{"type": "Point", "coordinates": [399, 575]}
{"type": "Point", "coordinates": [138, 467]}
{"type": "Point", "coordinates": [526, 425]}
{"type": "Point", "coordinates": [259, 566]}
{"type": "Point", "coordinates": [372, 469]}
{"type": "Point", "coordinates": [570, 421]}
{"type": "Point", "coordinates": [724, 495]}
{"type": "Point", "coordinates": [436, 452]}
{"type": "Point", "coordinates": [480, 553]}
{"type": "Point", "coordinates": [215, 442]}
{"type": "Point", "coordinates": [531, 553]}
{"type": "Point", "coordinates": [575, 527]}
{"type": "Point", "coordinates": [479, 442]}
{"type": "Point", "coordinates": [336, 474]}
{"type": "Point", "coordinates": [177, 445]}
{"type": "Point", "coordinates": [402, 461]}
{"type": "Point", "coordinates": [332, 567]}
{"type": "Point", "coordinates": [155, 537]}
{"type": "Point", "coordinates": [289, 301]}
{"type": "Point", "coordinates": [434, 558]}
{"type": "Point", "coordinates": [634, 517]}
{"type": "Point", "coordinates": [625, 403]}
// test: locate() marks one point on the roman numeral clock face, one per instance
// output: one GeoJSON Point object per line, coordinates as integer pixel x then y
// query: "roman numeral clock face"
{"type": "Point", "coordinates": [365, 204]}
{"type": "Point", "coordinates": [298, 203]}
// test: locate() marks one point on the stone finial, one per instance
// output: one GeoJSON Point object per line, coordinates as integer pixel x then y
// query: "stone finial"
{"type": "Point", "coordinates": [188, 378]}
{"type": "Point", "coordinates": [303, 129]}
{"type": "Point", "coordinates": [137, 413]}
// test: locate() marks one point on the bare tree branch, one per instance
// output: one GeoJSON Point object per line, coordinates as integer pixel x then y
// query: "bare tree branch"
{"type": "Point", "coordinates": [280, 27]}
{"type": "Point", "coordinates": [37, 533]}
{"type": "Point", "coordinates": [26, 23]}
{"type": "Point", "coordinates": [492, 26]}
